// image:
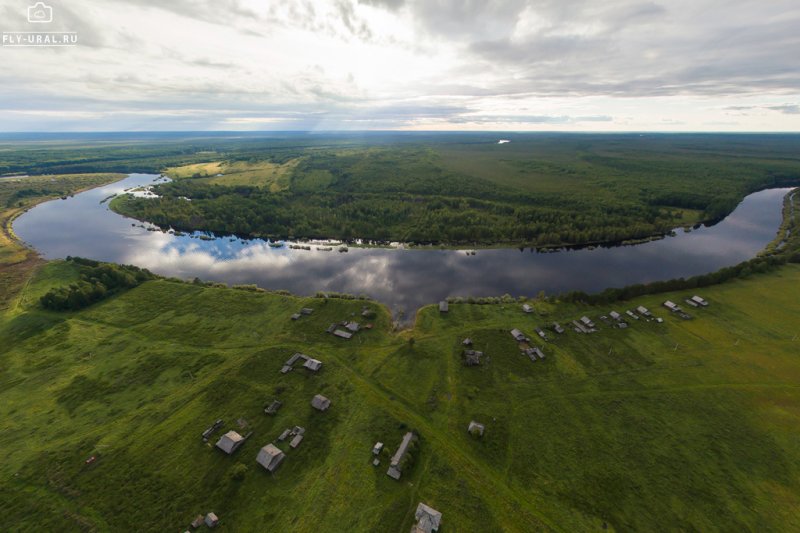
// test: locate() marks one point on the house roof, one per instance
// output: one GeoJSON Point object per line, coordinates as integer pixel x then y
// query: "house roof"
{"type": "Point", "coordinates": [273, 407]}
{"type": "Point", "coordinates": [295, 357]}
{"type": "Point", "coordinates": [229, 442]}
{"type": "Point", "coordinates": [402, 449]}
{"type": "Point", "coordinates": [320, 402]}
{"type": "Point", "coordinates": [270, 456]}
{"type": "Point", "coordinates": [428, 518]}
{"type": "Point", "coordinates": [476, 425]}
{"type": "Point", "coordinates": [313, 364]}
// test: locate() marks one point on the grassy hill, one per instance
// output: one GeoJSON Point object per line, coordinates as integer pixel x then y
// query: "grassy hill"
{"type": "Point", "coordinates": [685, 425]}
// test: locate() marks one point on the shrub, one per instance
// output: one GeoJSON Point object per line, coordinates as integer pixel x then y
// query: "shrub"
{"type": "Point", "coordinates": [97, 281]}
{"type": "Point", "coordinates": [238, 472]}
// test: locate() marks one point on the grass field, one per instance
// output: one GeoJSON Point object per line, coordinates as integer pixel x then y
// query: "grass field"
{"type": "Point", "coordinates": [265, 174]}
{"type": "Point", "coordinates": [686, 425]}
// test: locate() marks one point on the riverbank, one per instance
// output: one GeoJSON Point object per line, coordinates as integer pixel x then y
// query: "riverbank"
{"type": "Point", "coordinates": [18, 261]}
{"type": "Point", "coordinates": [788, 224]}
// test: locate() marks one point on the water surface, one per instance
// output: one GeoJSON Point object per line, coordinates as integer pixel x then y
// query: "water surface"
{"type": "Point", "coordinates": [403, 279]}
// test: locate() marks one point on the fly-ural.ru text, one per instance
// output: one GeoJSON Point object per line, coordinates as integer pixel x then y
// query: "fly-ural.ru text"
{"type": "Point", "coordinates": [40, 38]}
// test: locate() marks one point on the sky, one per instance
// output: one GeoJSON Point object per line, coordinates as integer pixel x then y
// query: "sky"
{"type": "Point", "coordinates": [319, 65]}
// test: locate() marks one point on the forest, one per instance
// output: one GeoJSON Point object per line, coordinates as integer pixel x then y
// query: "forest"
{"type": "Point", "coordinates": [539, 190]}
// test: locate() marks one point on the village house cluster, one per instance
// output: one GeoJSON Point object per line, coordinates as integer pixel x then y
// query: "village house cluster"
{"type": "Point", "coordinates": [309, 363]}
{"type": "Point", "coordinates": [582, 325]}
{"type": "Point", "coordinates": [271, 456]}
{"type": "Point", "coordinates": [586, 325]}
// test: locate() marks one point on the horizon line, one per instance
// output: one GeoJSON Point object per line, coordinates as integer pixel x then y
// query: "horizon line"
{"type": "Point", "coordinates": [508, 132]}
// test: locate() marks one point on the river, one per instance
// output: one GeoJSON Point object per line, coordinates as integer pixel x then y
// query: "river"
{"type": "Point", "coordinates": [404, 279]}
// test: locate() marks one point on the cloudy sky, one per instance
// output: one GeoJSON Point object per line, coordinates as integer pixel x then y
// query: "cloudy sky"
{"type": "Point", "coordinates": [573, 65]}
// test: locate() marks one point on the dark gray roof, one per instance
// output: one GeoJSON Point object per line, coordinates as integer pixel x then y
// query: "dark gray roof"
{"type": "Point", "coordinates": [229, 442]}
{"type": "Point", "coordinates": [313, 364]}
{"type": "Point", "coordinates": [273, 407]}
{"type": "Point", "coordinates": [402, 449]}
{"type": "Point", "coordinates": [320, 402]}
{"type": "Point", "coordinates": [270, 457]}
{"type": "Point", "coordinates": [428, 518]}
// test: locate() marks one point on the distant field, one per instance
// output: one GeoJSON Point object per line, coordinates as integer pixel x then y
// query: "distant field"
{"type": "Point", "coordinates": [686, 425]}
{"type": "Point", "coordinates": [272, 176]}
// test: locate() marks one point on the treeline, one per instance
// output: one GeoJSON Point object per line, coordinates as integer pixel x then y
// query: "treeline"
{"type": "Point", "coordinates": [97, 281]}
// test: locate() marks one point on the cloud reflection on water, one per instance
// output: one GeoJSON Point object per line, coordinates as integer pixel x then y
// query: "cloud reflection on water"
{"type": "Point", "coordinates": [404, 279]}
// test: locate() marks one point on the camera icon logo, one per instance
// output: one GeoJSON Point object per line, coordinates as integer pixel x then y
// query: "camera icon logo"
{"type": "Point", "coordinates": [40, 13]}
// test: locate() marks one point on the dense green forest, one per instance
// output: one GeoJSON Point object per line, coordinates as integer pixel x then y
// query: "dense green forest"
{"type": "Point", "coordinates": [538, 190]}
{"type": "Point", "coordinates": [442, 188]}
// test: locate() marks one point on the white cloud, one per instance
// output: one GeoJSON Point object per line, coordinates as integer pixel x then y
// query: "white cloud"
{"type": "Point", "coordinates": [302, 64]}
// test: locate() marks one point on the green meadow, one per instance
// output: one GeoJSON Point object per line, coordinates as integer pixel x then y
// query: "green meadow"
{"type": "Point", "coordinates": [685, 425]}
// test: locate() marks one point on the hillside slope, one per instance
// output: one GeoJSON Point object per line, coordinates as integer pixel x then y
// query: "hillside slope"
{"type": "Point", "coordinates": [682, 425]}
